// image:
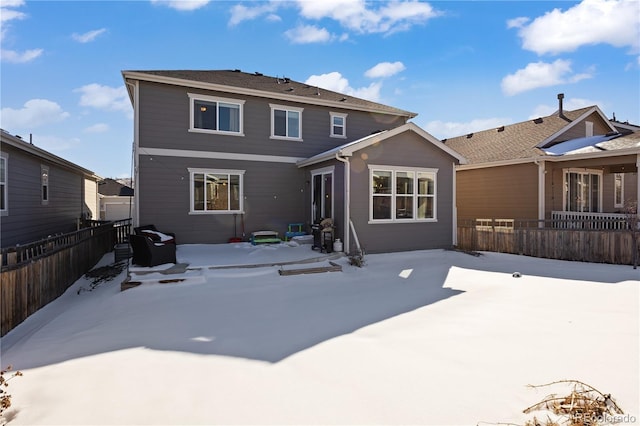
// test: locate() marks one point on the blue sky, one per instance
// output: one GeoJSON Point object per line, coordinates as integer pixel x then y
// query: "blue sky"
{"type": "Point", "coordinates": [462, 66]}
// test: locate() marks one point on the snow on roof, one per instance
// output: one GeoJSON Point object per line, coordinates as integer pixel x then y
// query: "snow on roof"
{"type": "Point", "coordinates": [590, 144]}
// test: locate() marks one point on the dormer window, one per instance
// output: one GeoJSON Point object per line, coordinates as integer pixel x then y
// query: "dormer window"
{"type": "Point", "coordinates": [338, 125]}
{"type": "Point", "coordinates": [286, 122]}
{"type": "Point", "coordinates": [216, 115]}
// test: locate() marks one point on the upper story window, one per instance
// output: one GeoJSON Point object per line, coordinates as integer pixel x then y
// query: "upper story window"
{"type": "Point", "coordinates": [402, 194]}
{"type": "Point", "coordinates": [44, 179]}
{"type": "Point", "coordinates": [216, 190]}
{"type": "Point", "coordinates": [3, 183]}
{"type": "Point", "coordinates": [338, 125]}
{"type": "Point", "coordinates": [286, 122]}
{"type": "Point", "coordinates": [216, 115]}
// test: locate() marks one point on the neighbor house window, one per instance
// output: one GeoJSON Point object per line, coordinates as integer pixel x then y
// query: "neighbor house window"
{"type": "Point", "coordinates": [44, 180]}
{"type": "Point", "coordinates": [215, 115]}
{"type": "Point", "coordinates": [216, 191]}
{"type": "Point", "coordinates": [338, 125]}
{"type": "Point", "coordinates": [582, 190]}
{"type": "Point", "coordinates": [402, 194]}
{"type": "Point", "coordinates": [3, 183]}
{"type": "Point", "coordinates": [618, 190]}
{"type": "Point", "coordinates": [286, 122]}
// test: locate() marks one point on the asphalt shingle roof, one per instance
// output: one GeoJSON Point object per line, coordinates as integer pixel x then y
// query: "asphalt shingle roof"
{"type": "Point", "coordinates": [274, 85]}
{"type": "Point", "coordinates": [512, 142]}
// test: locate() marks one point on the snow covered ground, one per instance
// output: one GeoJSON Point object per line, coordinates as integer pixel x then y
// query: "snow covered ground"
{"type": "Point", "coordinates": [427, 337]}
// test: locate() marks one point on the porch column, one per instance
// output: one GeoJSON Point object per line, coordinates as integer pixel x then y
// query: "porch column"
{"type": "Point", "coordinates": [541, 191]}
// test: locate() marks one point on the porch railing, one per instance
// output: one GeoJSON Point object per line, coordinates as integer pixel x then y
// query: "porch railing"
{"type": "Point", "coordinates": [585, 220]}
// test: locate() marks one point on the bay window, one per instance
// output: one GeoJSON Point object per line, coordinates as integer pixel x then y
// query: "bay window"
{"type": "Point", "coordinates": [216, 191]}
{"type": "Point", "coordinates": [402, 194]}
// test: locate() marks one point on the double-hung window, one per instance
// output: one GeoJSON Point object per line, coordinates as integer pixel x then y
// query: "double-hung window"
{"type": "Point", "coordinates": [582, 190]}
{"type": "Point", "coordinates": [215, 115]}
{"type": "Point", "coordinates": [286, 122]}
{"type": "Point", "coordinates": [216, 191]}
{"type": "Point", "coordinates": [3, 183]}
{"type": "Point", "coordinates": [402, 194]}
{"type": "Point", "coordinates": [338, 125]}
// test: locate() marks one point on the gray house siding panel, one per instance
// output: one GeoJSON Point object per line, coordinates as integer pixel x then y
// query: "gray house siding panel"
{"type": "Point", "coordinates": [27, 218]}
{"type": "Point", "coordinates": [274, 196]}
{"type": "Point", "coordinates": [409, 150]}
{"type": "Point", "coordinates": [164, 123]}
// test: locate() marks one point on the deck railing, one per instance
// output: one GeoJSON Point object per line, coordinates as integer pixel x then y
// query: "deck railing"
{"type": "Point", "coordinates": [585, 220]}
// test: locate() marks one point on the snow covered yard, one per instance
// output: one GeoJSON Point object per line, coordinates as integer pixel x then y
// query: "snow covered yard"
{"type": "Point", "coordinates": [426, 337]}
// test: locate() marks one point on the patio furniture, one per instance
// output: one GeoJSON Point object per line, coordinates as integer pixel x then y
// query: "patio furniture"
{"type": "Point", "coordinates": [147, 252]}
{"type": "Point", "coordinates": [294, 230]}
{"type": "Point", "coordinates": [155, 234]}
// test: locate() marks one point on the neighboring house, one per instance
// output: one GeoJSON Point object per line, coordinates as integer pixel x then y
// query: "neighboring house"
{"type": "Point", "coordinates": [220, 153]}
{"type": "Point", "coordinates": [41, 194]}
{"type": "Point", "coordinates": [116, 200]}
{"type": "Point", "coordinates": [572, 164]}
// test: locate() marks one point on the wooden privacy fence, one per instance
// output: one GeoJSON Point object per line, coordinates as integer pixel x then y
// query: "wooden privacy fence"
{"type": "Point", "coordinates": [35, 274]}
{"type": "Point", "coordinates": [549, 239]}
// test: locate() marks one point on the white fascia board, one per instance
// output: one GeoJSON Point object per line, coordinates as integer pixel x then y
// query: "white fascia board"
{"type": "Point", "coordinates": [253, 92]}
{"type": "Point", "coordinates": [218, 155]}
{"type": "Point", "coordinates": [576, 122]}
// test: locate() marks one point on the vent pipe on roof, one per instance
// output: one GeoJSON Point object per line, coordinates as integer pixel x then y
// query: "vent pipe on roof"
{"type": "Point", "coordinates": [560, 109]}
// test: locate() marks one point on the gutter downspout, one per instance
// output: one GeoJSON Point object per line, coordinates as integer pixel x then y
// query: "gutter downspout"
{"type": "Point", "coordinates": [454, 209]}
{"type": "Point", "coordinates": [541, 190]}
{"type": "Point", "coordinates": [136, 146]}
{"type": "Point", "coordinates": [347, 198]}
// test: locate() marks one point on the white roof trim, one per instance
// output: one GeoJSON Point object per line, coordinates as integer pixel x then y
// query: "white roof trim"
{"type": "Point", "coordinates": [576, 122]}
{"type": "Point", "coordinates": [348, 149]}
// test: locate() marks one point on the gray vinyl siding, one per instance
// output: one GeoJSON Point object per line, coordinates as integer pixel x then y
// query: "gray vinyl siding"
{"type": "Point", "coordinates": [274, 195]}
{"type": "Point", "coordinates": [164, 123]}
{"type": "Point", "coordinates": [27, 218]}
{"type": "Point", "coordinates": [408, 150]}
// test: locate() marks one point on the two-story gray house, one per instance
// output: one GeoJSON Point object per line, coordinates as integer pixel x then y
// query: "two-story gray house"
{"type": "Point", "coordinates": [41, 194]}
{"type": "Point", "coordinates": [224, 152]}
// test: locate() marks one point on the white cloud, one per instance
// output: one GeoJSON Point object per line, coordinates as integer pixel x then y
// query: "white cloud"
{"type": "Point", "coordinates": [385, 69]}
{"type": "Point", "coordinates": [336, 82]}
{"type": "Point", "coordinates": [184, 5]}
{"type": "Point", "coordinates": [104, 97]}
{"type": "Point", "coordinates": [305, 34]}
{"type": "Point", "coordinates": [6, 15]}
{"type": "Point", "coordinates": [614, 22]}
{"type": "Point", "coordinates": [240, 13]}
{"type": "Point", "coordinates": [517, 22]}
{"type": "Point", "coordinates": [15, 57]}
{"type": "Point", "coordinates": [450, 129]}
{"type": "Point", "coordinates": [55, 144]}
{"type": "Point", "coordinates": [541, 74]}
{"type": "Point", "coordinates": [88, 36]}
{"type": "Point", "coordinates": [97, 128]}
{"type": "Point", "coordinates": [356, 15]}
{"type": "Point", "coordinates": [35, 113]}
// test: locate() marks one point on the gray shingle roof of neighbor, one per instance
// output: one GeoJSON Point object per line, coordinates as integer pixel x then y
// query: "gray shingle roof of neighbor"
{"type": "Point", "coordinates": [281, 86]}
{"type": "Point", "coordinates": [511, 142]}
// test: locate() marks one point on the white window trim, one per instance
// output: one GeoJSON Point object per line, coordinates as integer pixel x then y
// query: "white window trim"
{"type": "Point", "coordinates": [197, 97]}
{"type": "Point", "coordinates": [621, 203]}
{"type": "Point", "coordinates": [193, 171]}
{"type": "Point", "coordinates": [44, 182]}
{"type": "Point", "coordinates": [393, 194]}
{"type": "Point", "coordinates": [581, 171]}
{"type": "Point", "coordinates": [344, 125]}
{"type": "Point", "coordinates": [285, 108]}
{"type": "Point", "coordinates": [5, 179]}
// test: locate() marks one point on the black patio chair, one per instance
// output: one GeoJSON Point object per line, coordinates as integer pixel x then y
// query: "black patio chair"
{"type": "Point", "coordinates": [147, 252]}
{"type": "Point", "coordinates": [140, 230]}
